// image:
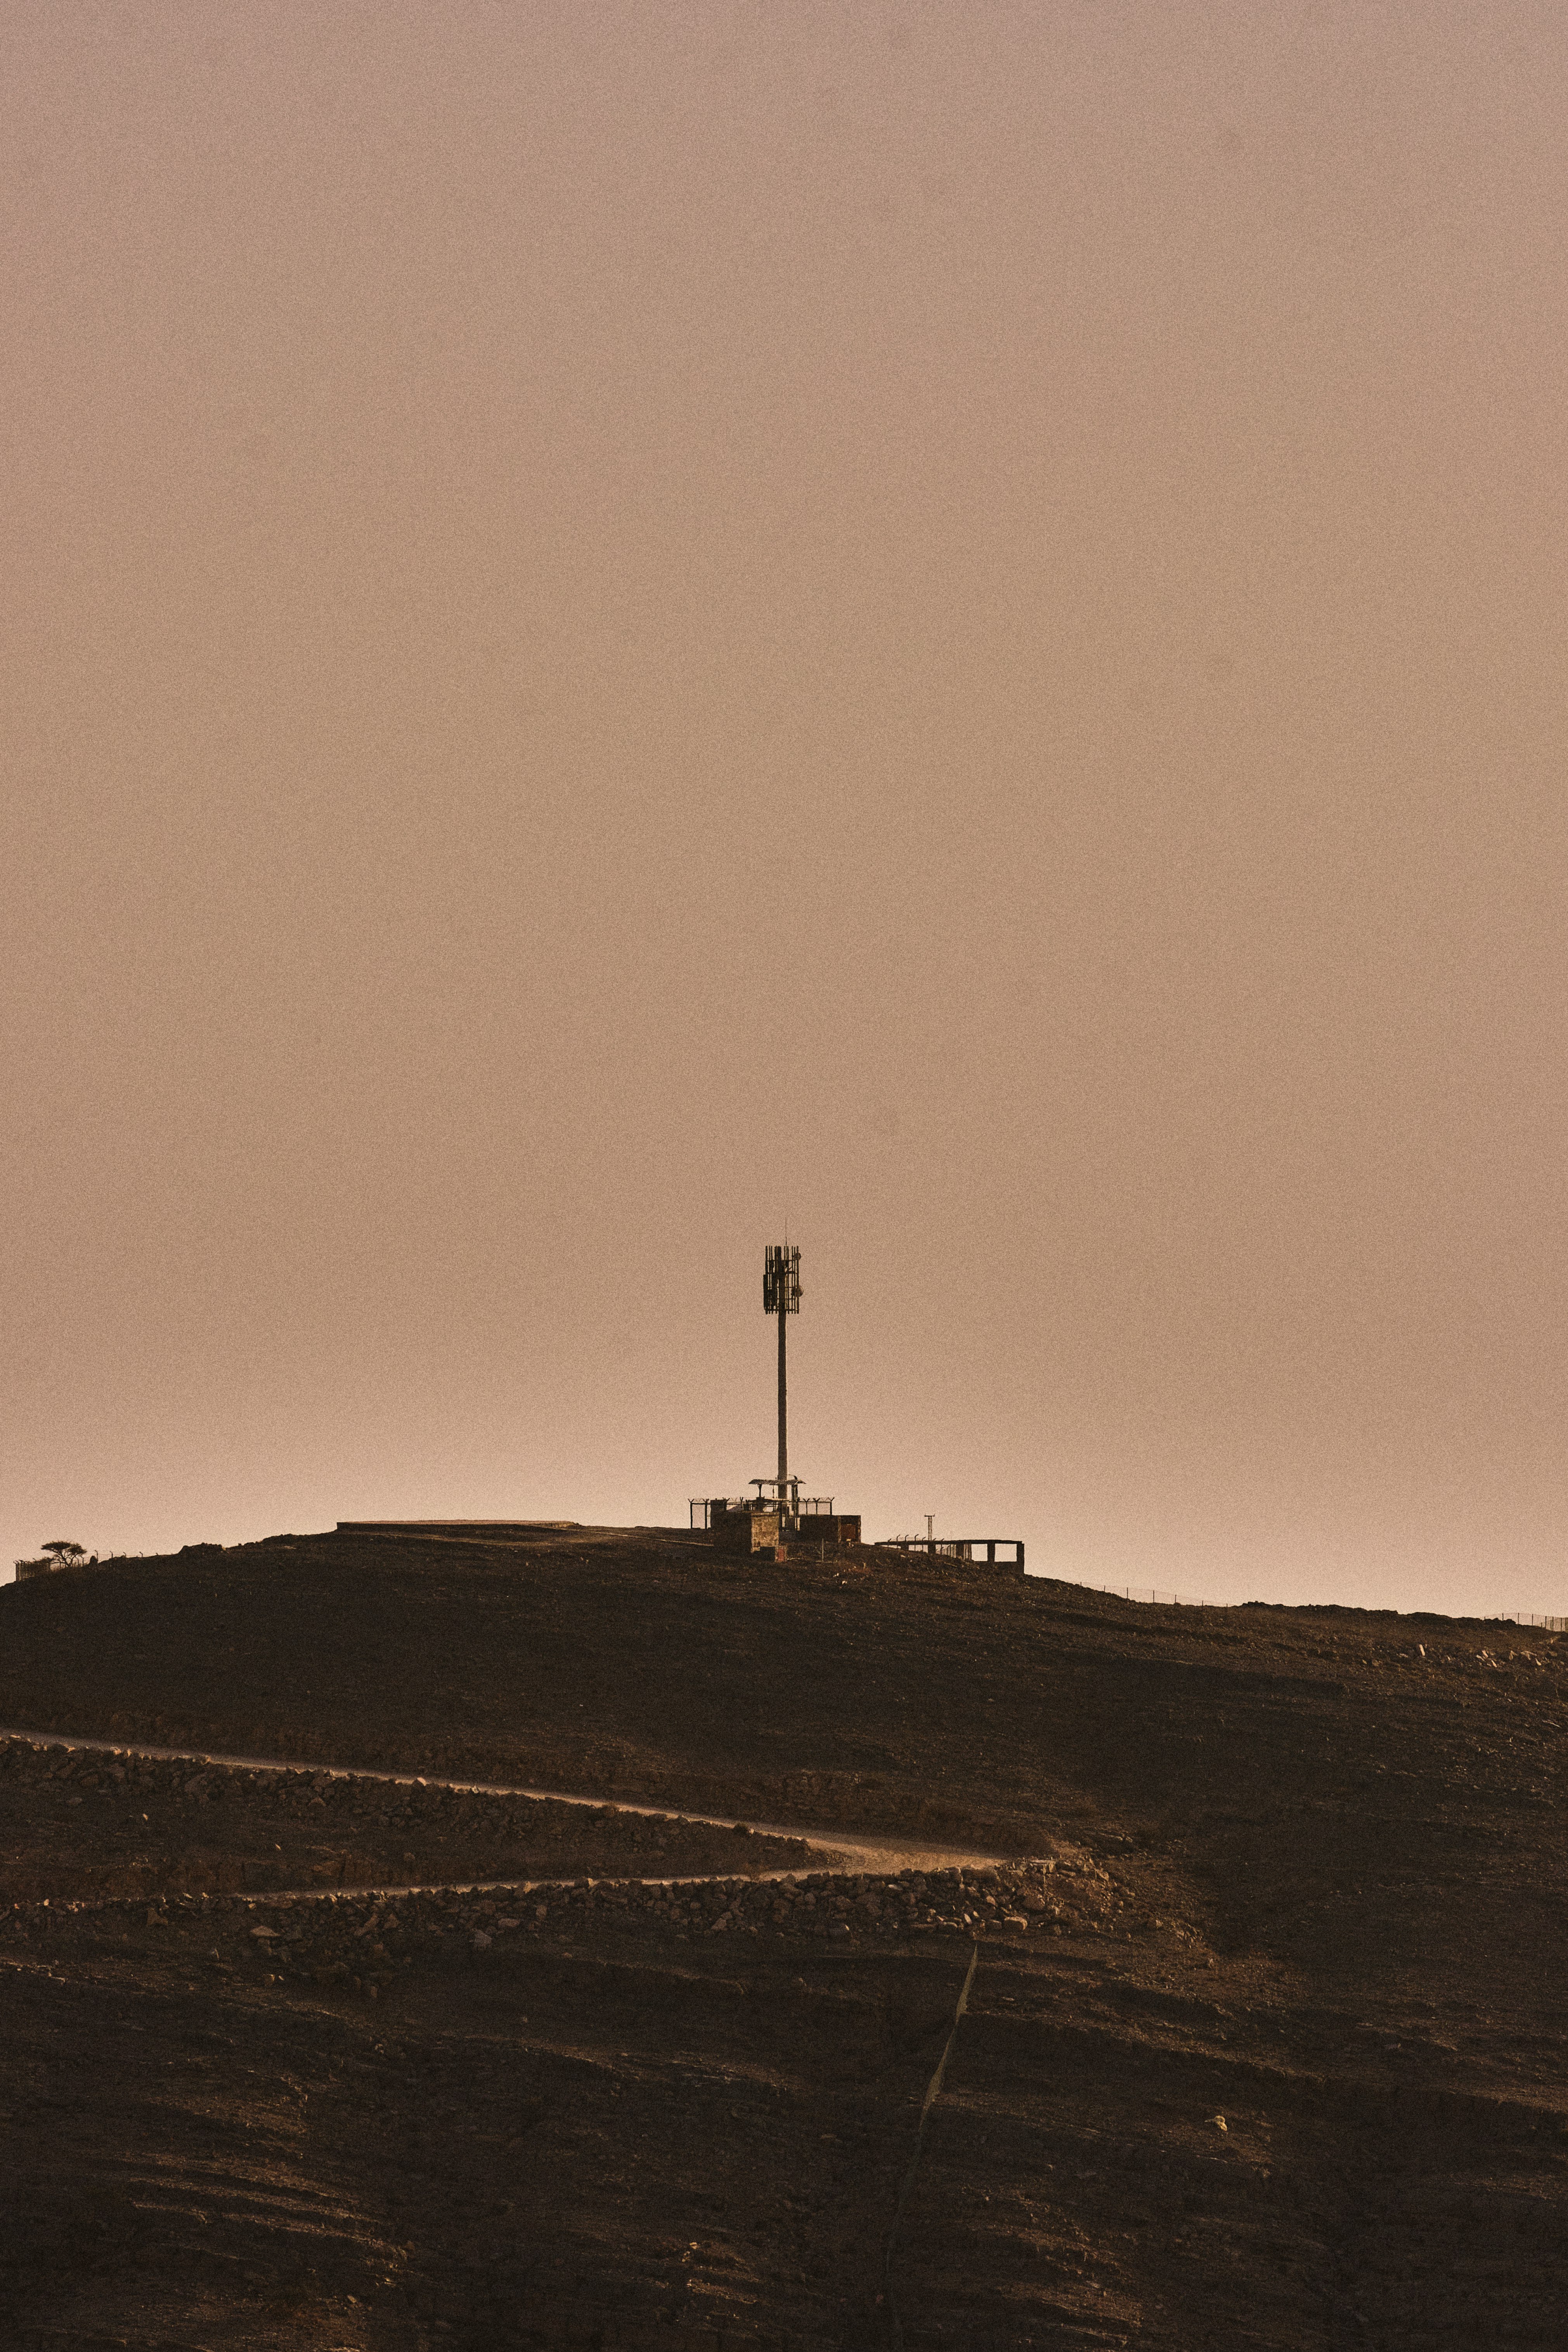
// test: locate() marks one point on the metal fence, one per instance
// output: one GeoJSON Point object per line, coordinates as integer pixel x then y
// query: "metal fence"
{"type": "Point", "coordinates": [1147, 1592]}
{"type": "Point", "coordinates": [1190, 1600]}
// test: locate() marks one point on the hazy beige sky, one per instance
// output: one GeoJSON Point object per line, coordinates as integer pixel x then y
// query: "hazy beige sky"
{"type": "Point", "coordinates": [941, 622]}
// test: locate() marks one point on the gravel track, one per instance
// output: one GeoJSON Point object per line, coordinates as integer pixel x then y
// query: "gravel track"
{"type": "Point", "coordinates": [848, 1855]}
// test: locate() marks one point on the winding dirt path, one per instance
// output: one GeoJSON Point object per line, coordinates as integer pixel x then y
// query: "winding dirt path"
{"type": "Point", "coordinates": [849, 1855]}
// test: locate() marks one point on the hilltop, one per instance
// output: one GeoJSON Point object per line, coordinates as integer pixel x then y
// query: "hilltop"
{"type": "Point", "coordinates": [1300, 1870]}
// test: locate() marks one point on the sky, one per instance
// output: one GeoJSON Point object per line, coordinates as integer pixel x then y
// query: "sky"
{"type": "Point", "coordinates": [937, 629]}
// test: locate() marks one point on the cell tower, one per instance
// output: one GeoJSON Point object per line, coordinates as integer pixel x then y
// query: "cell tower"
{"type": "Point", "coordinates": [777, 1516]}
{"type": "Point", "coordinates": [780, 1297]}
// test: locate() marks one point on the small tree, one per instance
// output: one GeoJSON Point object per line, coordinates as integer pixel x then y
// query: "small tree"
{"type": "Point", "coordinates": [63, 1553]}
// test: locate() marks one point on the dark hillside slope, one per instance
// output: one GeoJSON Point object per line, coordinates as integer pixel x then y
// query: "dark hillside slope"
{"type": "Point", "coordinates": [1274, 2052]}
{"type": "Point", "coordinates": [1308, 1783]}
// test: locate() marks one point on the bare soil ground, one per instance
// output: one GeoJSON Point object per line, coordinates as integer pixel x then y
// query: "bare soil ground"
{"type": "Point", "coordinates": [1265, 2045]}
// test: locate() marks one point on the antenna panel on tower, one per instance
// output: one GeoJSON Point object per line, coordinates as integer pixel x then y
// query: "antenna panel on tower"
{"type": "Point", "coordinates": [781, 1279]}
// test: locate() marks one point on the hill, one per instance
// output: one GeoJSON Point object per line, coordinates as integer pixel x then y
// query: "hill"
{"type": "Point", "coordinates": [1264, 2044]}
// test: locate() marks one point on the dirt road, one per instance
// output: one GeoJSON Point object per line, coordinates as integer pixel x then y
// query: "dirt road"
{"type": "Point", "coordinates": [843, 1853]}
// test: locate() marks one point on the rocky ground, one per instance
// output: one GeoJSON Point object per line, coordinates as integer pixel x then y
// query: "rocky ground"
{"type": "Point", "coordinates": [1264, 2046]}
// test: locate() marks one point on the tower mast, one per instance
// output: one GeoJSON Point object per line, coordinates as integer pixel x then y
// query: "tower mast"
{"type": "Point", "coordinates": [783, 1412]}
{"type": "Point", "coordinates": [780, 1297]}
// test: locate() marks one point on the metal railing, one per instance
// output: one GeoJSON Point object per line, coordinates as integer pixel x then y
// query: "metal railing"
{"type": "Point", "coordinates": [959, 1547]}
{"type": "Point", "coordinates": [809, 1507]}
